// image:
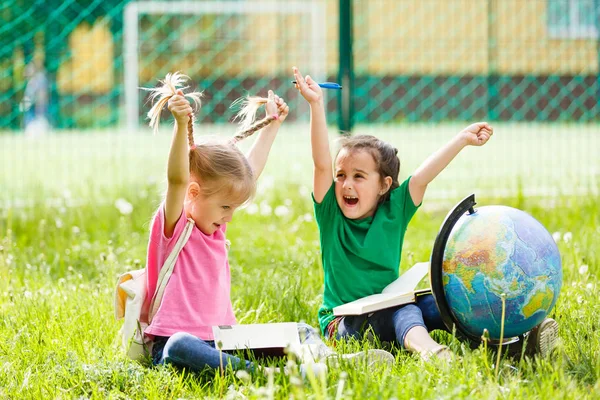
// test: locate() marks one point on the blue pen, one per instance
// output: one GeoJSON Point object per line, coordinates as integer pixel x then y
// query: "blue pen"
{"type": "Point", "coordinates": [327, 85]}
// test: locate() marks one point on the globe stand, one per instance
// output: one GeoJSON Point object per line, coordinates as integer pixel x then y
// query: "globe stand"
{"type": "Point", "coordinates": [435, 274]}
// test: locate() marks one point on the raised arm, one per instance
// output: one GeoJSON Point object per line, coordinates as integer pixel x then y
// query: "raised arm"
{"type": "Point", "coordinates": [178, 167]}
{"type": "Point", "coordinates": [475, 135]}
{"type": "Point", "coordinates": [259, 152]}
{"type": "Point", "coordinates": [319, 139]}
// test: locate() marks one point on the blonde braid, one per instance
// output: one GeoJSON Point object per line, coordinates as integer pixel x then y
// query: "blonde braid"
{"type": "Point", "coordinates": [190, 129]}
{"type": "Point", "coordinates": [253, 128]}
{"type": "Point", "coordinates": [246, 115]}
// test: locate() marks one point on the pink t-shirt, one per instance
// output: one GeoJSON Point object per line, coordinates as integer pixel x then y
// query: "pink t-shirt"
{"type": "Point", "coordinates": [197, 295]}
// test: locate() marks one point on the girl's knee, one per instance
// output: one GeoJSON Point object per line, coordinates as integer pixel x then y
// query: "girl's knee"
{"type": "Point", "coordinates": [178, 344]}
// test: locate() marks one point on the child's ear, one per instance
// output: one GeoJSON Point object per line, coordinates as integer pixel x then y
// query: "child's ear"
{"type": "Point", "coordinates": [385, 185]}
{"type": "Point", "coordinates": [193, 191]}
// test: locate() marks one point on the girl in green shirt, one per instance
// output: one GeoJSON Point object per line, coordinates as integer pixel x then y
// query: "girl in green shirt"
{"type": "Point", "coordinates": [362, 211]}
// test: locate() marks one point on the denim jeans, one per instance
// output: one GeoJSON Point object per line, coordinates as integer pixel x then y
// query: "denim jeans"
{"type": "Point", "coordinates": [392, 324]}
{"type": "Point", "coordinates": [187, 351]}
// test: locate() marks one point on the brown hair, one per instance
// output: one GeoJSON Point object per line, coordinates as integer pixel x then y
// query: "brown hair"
{"type": "Point", "coordinates": [219, 166]}
{"type": "Point", "coordinates": [384, 154]}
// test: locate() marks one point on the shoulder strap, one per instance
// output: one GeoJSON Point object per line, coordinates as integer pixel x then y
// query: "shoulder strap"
{"type": "Point", "coordinates": [167, 269]}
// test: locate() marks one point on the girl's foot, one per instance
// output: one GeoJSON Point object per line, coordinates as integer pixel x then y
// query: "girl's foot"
{"type": "Point", "coordinates": [440, 352]}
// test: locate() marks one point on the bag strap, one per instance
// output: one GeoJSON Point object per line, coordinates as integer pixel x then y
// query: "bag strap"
{"type": "Point", "coordinates": [167, 269]}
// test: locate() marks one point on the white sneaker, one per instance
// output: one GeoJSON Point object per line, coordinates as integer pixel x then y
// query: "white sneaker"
{"type": "Point", "coordinates": [545, 338]}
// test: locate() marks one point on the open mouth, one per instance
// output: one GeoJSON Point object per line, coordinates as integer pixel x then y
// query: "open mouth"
{"type": "Point", "coordinates": [350, 200]}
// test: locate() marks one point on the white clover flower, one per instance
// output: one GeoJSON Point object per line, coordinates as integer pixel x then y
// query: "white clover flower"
{"type": "Point", "coordinates": [58, 222]}
{"type": "Point", "coordinates": [583, 269]}
{"type": "Point", "coordinates": [282, 211]}
{"type": "Point", "coordinates": [567, 237]}
{"type": "Point", "coordinates": [265, 208]}
{"type": "Point", "coordinates": [124, 207]}
{"type": "Point", "coordinates": [287, 202]}
{"type": "Point", "coordinates": [556, 236]}
{"type": "Point", "coordinates": [252, 209]}
{"type": "Point", "coordinates": [75, 229]}
{"type": "Point", "coordinates": [304, 191]}
{"type": "Point", "coordinates": [308, 217]}
{"type": "Point", "coordinates": [243, 375]}
{"type": "Point", "coordinates": [27, 294]}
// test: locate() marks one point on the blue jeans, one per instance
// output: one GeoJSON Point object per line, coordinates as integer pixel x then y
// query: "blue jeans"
{"type": "Point", "coordinates": [184, 350]}
{"type": "Point", "coordinates": [392, 324]}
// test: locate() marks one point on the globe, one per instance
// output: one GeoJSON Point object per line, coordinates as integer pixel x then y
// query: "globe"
{"type": "Point", "coordinates": [495, 252]}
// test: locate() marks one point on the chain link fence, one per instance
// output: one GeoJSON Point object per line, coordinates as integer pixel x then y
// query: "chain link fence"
{"type": "Point", "coordinates": [79, 63]}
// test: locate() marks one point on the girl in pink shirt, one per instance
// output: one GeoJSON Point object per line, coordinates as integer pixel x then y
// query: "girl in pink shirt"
{"type": "Point", "coordinates": [206, 182]}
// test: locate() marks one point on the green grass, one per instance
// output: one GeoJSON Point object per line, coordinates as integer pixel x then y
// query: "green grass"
{"type": "Point", "coordinates": [63, 243]}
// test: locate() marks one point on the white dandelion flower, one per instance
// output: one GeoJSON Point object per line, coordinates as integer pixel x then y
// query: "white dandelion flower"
{"type": "Point", "coordinates": [556, 236]}
{"type": "Point", "coordinates": [242, 375]}
{"type": "Point", "coordinates": [124, 207]}
{"type": "Point", "coordinates": [252, 209]}
{"type": "Point", "coordinates": [583, 269]}
{"type": "Point", "coordinates": [282, 211]}
{"type": "Point", "coordinates": [265, 208]}
{"type": "Point", "coordinates": [304, 191]}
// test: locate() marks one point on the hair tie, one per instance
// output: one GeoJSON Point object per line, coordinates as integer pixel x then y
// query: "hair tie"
{"type": "Point", "coordinates": [193, 147]}
{"type": "Point", "coordinates": [275, 116]}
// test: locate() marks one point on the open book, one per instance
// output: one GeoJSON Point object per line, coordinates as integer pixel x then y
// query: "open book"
{"type": "Point", "coordinates": [259, 339]}
{"type": "Point", "coordinates": [401, 291]}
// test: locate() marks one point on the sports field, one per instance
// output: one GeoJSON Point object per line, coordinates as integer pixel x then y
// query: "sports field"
{"type": "Point", "coordinates": [75, 210]}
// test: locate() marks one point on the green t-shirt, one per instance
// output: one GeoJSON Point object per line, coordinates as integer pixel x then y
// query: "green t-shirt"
{"type": "Point", "coordinates": [360, 257]}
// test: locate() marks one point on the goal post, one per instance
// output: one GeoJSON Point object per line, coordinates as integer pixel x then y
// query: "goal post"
{"type": "Point", "coordinates": [313, 11]}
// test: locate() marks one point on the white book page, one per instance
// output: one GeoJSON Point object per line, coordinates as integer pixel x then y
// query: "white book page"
{"type": "Point", "coordinates": [409, 280]}
{"type": "Point", "coordinates": [373, 303]}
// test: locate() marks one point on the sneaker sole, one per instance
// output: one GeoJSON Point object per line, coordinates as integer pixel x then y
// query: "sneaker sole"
{"type": "Point", "coordinates": [547, 337]}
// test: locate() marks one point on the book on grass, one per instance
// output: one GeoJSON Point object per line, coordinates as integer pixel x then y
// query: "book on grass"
{"type": "Point", "coordinates": [401, 291]}
{"type": "Point", "coordinates": [262, 340]}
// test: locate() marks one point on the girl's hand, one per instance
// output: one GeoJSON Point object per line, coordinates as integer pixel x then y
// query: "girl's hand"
{"type": "Point", "coordinates": [276, 106]}
{"type": "Point", "coordinates": [181, 108]}
{"type": "Point", "coordinates": [477, 134]}
{"type": "Point", "coordinates": [308, 88]}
